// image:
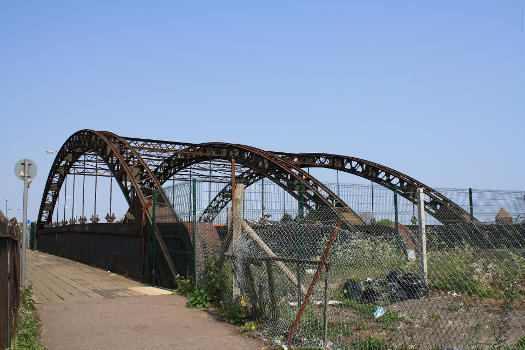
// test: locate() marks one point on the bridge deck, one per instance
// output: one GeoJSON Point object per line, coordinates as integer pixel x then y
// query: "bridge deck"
{"type": "Point", "coordinates": [82, 307]}
{"type": "Point", "coordinates": [56, 279]}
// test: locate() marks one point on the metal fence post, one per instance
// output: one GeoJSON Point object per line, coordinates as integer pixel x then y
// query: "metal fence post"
{"type": "Point", "coordinates": [399, 245]}
{"type": "Point", "coordinates": [471, 207]}
{"type": "Point", "coordinates": [422, 232]}
{"type": "Point", "coordinates": [153, 236]}
{"type": "Point", "coordinates": [194, 230]}
{"type": "Point", "coordinates": [300, 273]}
{"type": "Point", "coordinates": [32, 236]}
{"type": "Point", "coordinates": [471, 204]}
{"type": "Point", "coordinates": [396, 211]}
{"type": "Point", "coordinates": [325, 306]}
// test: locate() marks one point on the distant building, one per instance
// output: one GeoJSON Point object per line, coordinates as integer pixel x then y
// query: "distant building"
{"type": "Point", "coordinates": [503, 217]}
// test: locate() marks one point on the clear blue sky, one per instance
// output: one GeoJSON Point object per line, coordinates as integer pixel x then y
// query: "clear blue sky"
{"type": "Point", "coordinates": [434, 89]}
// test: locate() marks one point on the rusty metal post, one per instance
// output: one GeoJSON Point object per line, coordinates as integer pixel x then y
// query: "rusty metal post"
{"type": "Point", "coordinates": [314, 280]}
{"type": "Point", "coordinates": [325, 305]}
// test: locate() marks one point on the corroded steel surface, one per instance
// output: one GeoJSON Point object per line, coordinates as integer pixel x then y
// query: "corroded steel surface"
{"type": "Point", "coordinates": [141, 166]}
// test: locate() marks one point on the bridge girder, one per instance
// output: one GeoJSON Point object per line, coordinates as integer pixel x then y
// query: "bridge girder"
{"type": "Point", "coordinates": [437, 205]}
{"type": "Point", "coordinates": [141, 166]}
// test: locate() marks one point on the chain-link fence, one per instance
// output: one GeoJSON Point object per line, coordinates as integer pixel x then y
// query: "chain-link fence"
{"type": "Point", "coordinates": [393, 282]}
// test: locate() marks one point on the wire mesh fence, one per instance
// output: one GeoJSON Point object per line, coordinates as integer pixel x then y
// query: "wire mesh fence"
{"type": "Point", "coordinates": [387, 283]}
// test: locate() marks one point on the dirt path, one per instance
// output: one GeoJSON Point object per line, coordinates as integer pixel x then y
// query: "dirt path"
{"type": "Point", "coordinates": [82, 307]}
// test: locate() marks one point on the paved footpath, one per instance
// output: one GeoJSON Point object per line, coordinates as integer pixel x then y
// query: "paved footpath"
{"type": "Point", "coordinates": [82, 307]}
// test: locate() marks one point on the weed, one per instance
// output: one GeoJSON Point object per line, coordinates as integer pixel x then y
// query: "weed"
{"type": "Point", "coordinates": [389, 319]}
{"type": "Point", "coordinates": [216, 281]}
{"type": "Point", "coordinates": [26, 336]}
{"type": "Point", "coordinates": [199, 299]}
{"type": "Point", "coordinates": [372, 343]}
{"type": "Point", "coordinates": [335, 330]}
{"type": "Point", "coordinates": [184, 286]}
{"type": "Point", "coordinates": [251, 326]}
{"type": "Point", "coordinates": [434, 317]}
{"type": "Point", "coordinates": [364, 309]}
{"type": "Point", "coordinates": [234, 313]}
{"type": "Point", "coordinates": [362, 326]}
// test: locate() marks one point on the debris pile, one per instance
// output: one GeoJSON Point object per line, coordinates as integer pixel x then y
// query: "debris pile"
{"type": "Point", "coordinates": [397, 286]}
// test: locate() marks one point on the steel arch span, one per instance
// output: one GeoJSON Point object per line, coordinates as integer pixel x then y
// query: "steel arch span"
{"type": "Point", "coordinates": [126, 166]}
{"type": "Point", "coordinates": [436, 204]}
{"type": "Point", "coordinates": [142, 166]}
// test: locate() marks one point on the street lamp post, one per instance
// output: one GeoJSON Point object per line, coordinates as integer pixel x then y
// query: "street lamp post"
{"type": "Point", "coordinates": [25, 170]}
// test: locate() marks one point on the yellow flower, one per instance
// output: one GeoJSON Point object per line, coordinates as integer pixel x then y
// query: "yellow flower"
{"type": "Point", "coordinates": [243, 301]}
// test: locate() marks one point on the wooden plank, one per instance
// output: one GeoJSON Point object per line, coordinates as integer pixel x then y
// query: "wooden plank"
{"type": "Point", "coordinates": [289, 274]}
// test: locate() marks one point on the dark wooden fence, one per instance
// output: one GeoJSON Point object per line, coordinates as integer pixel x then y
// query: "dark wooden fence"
{"type": "Point", "coordinates": [9, 279]}
{"type": "Point", "coordinates": [115, 247]}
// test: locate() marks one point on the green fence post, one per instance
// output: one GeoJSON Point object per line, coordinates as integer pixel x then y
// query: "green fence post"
{"type": "Point", "coordinates": [300, 273]}
{"type": "Point", "coordinates": [396, 220]}
{"type": "Point", "coordinates": [194, 231]}
{"type": "Point", "coordinates": [153, 237]}
{"type": "Point", "coordinates": [471, 204]}
{"type": "Point", "coordinates": [471, 207]}
{"type": "Point", "coordinates": [396, 211]}
{"type": "Point", "coordinates": [32, 236]}
{"type": "Point", "coordinates": [301, 218]}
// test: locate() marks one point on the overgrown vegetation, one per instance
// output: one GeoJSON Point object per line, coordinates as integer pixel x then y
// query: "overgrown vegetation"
{"type": "Point", "coordinates": [494, 273]}
{"type": "Point", "coordinates": [28, 323]}
{"type": "Point", "coordinates": [211, 291]}
{"type": "Point", "coordinates": [489, 273]}
{"type": "Point", "coordinates": [234, 312]}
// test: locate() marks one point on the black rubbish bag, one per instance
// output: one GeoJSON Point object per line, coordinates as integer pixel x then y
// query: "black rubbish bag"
{"type": "Point", "coordinates": [353, 289]}
{"type": "Point", "coordinates": [414, 286]}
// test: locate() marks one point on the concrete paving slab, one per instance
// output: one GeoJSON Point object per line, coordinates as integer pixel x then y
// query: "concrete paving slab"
{"type": "Point", "coordinates": [82, 307]}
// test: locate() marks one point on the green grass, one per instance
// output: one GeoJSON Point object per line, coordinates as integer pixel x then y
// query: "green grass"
{"type": "Point", "coordinates": [389, 319]}
{"type": "Point", "coordinates": [488, 273]}
{"type": "Point", "coordinates": [28, 323]}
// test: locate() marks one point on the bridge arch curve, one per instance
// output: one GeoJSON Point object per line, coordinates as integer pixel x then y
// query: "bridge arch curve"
{"type": "Point", "coordinates": [437, 205]}
{"type": "Point", "coordinates": [261, 164]}
{"type": "Point", "coordinates": [124, 163]}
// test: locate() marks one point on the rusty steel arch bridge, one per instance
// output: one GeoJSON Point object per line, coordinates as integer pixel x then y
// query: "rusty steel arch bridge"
{"type": "Point", "coordinates": [141, 166]}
